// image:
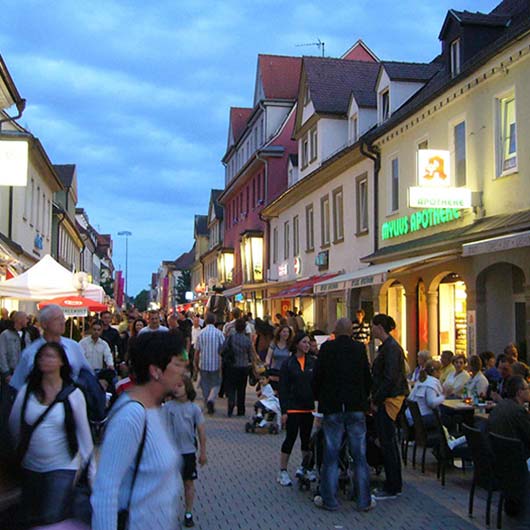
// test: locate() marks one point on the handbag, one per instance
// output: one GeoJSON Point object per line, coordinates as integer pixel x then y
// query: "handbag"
{"type": "Point", "coordinates": [81, 509]}
{"type": "Point", "coordinates": [227, 354]}
{"type": "Point", "coordinates": [123, 514]}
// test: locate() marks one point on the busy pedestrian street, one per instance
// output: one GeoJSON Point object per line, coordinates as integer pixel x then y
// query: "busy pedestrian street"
{"type": "Point", "coordinates": [238, 489]}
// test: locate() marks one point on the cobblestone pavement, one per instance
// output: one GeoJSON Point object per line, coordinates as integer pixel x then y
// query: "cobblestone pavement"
{"type": "Point", "coordinates": [238, 489]}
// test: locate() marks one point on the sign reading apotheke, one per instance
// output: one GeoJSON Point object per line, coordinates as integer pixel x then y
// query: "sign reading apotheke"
{"type": "Point", "coordinates": [434, 188]}
{"type": "Point", "coordinates": [417, 221]}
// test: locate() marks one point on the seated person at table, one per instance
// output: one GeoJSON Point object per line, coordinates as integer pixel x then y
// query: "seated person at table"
{"type": "Point", "coordinates": [447, 365]}
{"type": "Point", "coordinates": [520, 368]}
{"type": "Point", "coordinates": [488, 365]}
{"type": "Point", "coordinates": [505, 368]}
{"type": "Point", "coordinates": [511, 352]}
{"type": "Point", "coordinates": [423, 357]}
{"type": "Point", "coordinates": [427, 393]}
{"type": "Point", "coordinates": [455, 382]}
{"type": "Point", "coordinates": [477, 384]}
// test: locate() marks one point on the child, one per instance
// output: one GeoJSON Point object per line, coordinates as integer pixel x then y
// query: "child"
{"type": "Point", "coordinates": [267, 400]}
{"type": "Point", "coordinates": [184, 419]}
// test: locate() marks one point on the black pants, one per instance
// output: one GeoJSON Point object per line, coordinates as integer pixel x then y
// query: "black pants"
{"type": "Point", "coordinates": [235, 379]}
{"type": "Point", "coordinates": [386, 432]}
{"type": "Point", "coordinates": [297, 421]}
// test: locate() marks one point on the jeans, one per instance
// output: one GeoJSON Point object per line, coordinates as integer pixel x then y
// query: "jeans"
{"type": "Point", "coordinates": [210, 381]}
{"type": "Point", "coordinates": [235, 387]}
{"type": "Point", "coordinates": [386, 432]}
{"type": "Point", "coordinates": [334, 426]}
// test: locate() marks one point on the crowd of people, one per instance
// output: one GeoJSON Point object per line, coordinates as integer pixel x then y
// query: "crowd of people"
{"type": "Point", "coordinates": [154, 432]}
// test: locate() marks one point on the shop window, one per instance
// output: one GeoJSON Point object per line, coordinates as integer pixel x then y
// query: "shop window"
{"type": "Point", "coordinates": [362, 204]}
{"type": "Point", "coordinates": [296, 236]}
{"type": "Point", "coordinates": [452, 314]}
{"type": "Point", "coordinates": [459, 139]}
{"type": "Point", "coordinates": [506, 135]}
{"type": "Point", "coordinates": [338, 216]}
{"type": "Point", "coordinates": [324, 220]}
{"type": "Point", "coordinates": [394, 185]}
{"type": "Point", "coordinates": [310, 228]}
{"type": "Point", "coordinates": [396, 308]}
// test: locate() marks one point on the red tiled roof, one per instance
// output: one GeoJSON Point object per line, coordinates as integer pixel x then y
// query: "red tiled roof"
{"type": "Point", "coordinates": [238, 120]}
{"type": "Point", "coordinates": [279, 75]}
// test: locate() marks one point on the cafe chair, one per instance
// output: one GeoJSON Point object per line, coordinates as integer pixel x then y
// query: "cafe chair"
{"type": "Point", "coordinates": [422, 437]}
{"type": "Point", "coordinates": [444, 454]}
{"type": "Point", "coordinates": [510, 470]}
{"type": "Point", "coordinates": [483, 472]}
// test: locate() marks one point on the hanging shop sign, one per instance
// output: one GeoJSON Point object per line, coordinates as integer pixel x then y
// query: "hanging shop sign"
{"type": "Point", "coordinates": [418, 221]}
{"type": "Point", "coordinates": [283, 269]}
{"type": "Point", "coordinates": [322, 259]}
{"type": "Point", "coordinates": [13, 162]}
{"type": "Point", "coordinates": [435, 188]}
{"type": "Point", "coordinates": [297, 266]}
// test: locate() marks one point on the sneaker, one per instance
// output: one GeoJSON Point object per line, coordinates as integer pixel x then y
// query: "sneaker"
{"type": "Point", "coordinates": [371, 506]}
{"type": "Point", "coordinates": [262, 423]}
{"type": "Point", "coordinates": [188, 520]}
{"type": "Point", "coordinates": [284, 479]}
{"type": "Point", "coordinates": [210, 407]}
{"type": "Point", "coordinates": [380, 494]}
{"type": "Point", "coordinates": [312, 475]}
{"type": "Point", "coordinates": [318, 501]}
{"type": "Point", "coordinates": [300, 472]}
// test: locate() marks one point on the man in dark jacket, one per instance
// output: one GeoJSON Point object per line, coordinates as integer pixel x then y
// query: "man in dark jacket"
{"type": "Point", "coordinates": [341, 384]}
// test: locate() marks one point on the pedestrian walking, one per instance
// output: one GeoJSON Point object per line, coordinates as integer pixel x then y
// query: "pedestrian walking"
{"type": "Point", "coordinates": [341, 385]}
{"type": "Point", "coordinates": [185, 423]}
{"type": "Point", "coordinates": [238, 355]}
{"type": "Point", "coordinates": [278, 352]}
{"type": "Point", "coordinates": [50, 426]}
{"type": "Point", "coordinates": [297, 404]}
{"type": "Point", "coordinates": [208, 361]}
{"type": "Point", "coordinates": [389, 390]}
{"type": "Point", "coordinates": [138, 470]}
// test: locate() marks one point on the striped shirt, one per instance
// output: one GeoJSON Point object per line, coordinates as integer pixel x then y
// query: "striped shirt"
{"type": "Point", "coordinates": [361, 331]}
{"type": "Point", "coordinates": [209, 344]}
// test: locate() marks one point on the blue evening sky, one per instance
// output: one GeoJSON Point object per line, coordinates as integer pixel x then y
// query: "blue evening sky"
{"type": "Point", "coordinates": [137, 93]}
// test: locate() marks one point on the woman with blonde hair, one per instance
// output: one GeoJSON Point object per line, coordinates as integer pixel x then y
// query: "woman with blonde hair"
{"type": "Point", "coordinates": [278, 352]}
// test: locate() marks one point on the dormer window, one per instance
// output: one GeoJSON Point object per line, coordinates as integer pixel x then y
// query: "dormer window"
{"type": "Point", "coordinates": [385, 105]}
{"type": "Point", "coordinates": [354, 128]}
{"type": "Point", "coordinates": [305, 151]}
{"type": "Point", "coordinates": [455, 57]}
{"type": "Point", "coordinates": [306, 94]}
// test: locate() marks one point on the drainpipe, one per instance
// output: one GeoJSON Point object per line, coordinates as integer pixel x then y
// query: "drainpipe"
{"type": "Point", "coordinates": [373, 153]}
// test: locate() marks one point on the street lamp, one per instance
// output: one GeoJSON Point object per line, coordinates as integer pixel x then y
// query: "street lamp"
{"type": "Point", "coordinates": [126, 233]}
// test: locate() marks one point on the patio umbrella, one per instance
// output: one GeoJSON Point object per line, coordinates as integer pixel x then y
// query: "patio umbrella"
{"type": "Point", "coordinates": [75, 302]}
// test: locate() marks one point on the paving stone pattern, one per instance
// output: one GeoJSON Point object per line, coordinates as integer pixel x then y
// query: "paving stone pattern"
{"type": "Point", "coordinates": [238, 489]}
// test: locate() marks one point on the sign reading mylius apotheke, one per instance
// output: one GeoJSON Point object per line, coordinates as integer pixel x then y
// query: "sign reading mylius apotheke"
{"type": "Point", "coordinates": [434, 188]}
{"type": "Point", "coordinates": [417, 221]}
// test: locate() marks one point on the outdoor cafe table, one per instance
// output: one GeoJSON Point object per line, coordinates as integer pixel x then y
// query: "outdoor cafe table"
{"type": "Point", "coordinates": [467, 410]}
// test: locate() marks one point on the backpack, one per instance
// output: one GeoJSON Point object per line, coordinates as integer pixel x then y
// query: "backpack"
{"type": "Point", "coordinates": [96, 399]}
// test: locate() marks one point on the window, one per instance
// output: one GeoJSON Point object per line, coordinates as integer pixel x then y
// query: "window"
{"type": "Point", "coordinates": [362, 204]}
{"type": "Point", "coordinates": [248, 199]}
{"type": "Point", "coordinates": [275, 245]}
{"type": "Point", "coordinates": [310, 225]}
{"type": "Point", "coordinates": [507, 135]}
{"type": "Point", "coordinates": [324, 220]}
{"type": "Point", "coordinates": [305, 151]}
{"type": "Point", "coordinates": [286, 240]}
{"type": "Point", "coordinates": [314, 143]}
{"type": "Point", "coordinates": [459, 139]}
{"type": "Point", "coordinates": [338, 216]}
{"type": "Point", "coordinates": [385, 105]}
{"type": "Point", "coordinates": [354, 128]}
{"type": "Point", "coordinates": [424, 144]}
{"type": "Point", "coordinates": [455, 57]}
{"type": "Point", "coordinates": [32, 203]}
{"type": "Point", "coordinates": [253, 193]}
{"type": "Point", "coordinates": [394, 185]}
{"type": "Point", "coordinates": [296, 236]}
{"type": "Point", "coordinates": [306, 93]}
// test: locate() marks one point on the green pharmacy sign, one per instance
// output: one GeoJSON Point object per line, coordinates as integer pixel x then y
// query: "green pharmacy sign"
{"type": "Point", "coordinates": [421, 220]}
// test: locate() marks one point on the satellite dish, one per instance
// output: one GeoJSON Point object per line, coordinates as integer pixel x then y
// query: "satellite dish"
{"type": "Point", "coordinates": [80, 281]}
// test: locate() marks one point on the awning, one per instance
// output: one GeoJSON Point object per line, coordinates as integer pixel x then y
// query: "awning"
{"type": "Point", "coordinates": [496, 244]}
{"type": "Point", "coordinates": [302, 287]}
{"type": "Point", "coordinates": [374, 274]}
{"type": "Point", "coordinates": [233, 290]}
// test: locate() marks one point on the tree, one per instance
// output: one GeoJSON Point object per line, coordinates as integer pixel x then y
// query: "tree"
{"type": "Point", "coordinates": [182, 286]}
{"type": "Point", "coordinates": [141, 300]}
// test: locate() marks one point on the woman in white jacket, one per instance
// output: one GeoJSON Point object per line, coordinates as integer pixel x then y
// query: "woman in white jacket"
{"type": "Point", "coordinates": [427, 393]}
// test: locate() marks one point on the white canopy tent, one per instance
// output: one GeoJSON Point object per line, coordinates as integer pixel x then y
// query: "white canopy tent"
{"type": "Point", "coordinates": [47, 279]}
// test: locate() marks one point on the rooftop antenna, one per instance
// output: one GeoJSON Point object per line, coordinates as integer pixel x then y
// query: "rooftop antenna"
{"type": "Point", "coordinates": [319, 44]}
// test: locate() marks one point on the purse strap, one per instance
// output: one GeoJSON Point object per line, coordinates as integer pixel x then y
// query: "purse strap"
{"type": "Point", "coordinates": [28, 430]}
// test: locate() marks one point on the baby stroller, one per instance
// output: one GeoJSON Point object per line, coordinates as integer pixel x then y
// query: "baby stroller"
{"type": "Point", "coordinates": [264, 420]}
